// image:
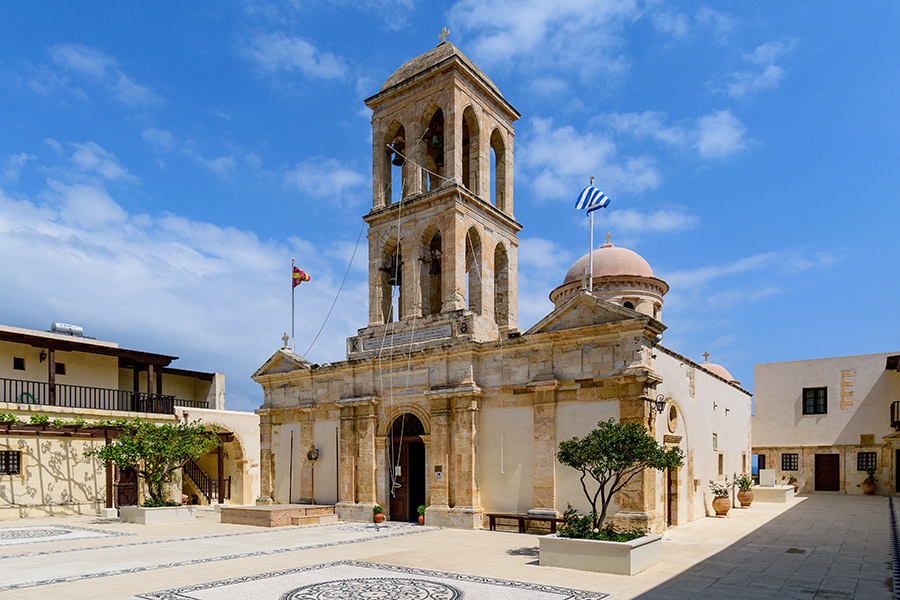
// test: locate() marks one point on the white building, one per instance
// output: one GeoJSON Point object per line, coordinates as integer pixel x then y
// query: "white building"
{"type": "Point", "coordinates": [825, 421]}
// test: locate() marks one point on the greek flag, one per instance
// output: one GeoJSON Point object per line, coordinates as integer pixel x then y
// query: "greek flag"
{"type": "Point", "coordinates": [591, 198]}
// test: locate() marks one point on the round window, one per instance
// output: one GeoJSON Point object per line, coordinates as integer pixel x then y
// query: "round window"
{"type": "Point", "coordinates": [673, 419]}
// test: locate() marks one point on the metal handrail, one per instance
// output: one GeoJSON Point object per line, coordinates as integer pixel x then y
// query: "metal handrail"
{"type": "Point", "coordinates": [85, 397]}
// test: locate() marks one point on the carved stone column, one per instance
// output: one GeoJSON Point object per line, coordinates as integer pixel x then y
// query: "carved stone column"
{"type": "Point", "coordinates": [347, 468]}
{"type": "Point", "coordinates": [439, 455]}
{"type": "Point", "coordinates": [365, 464]}
{"type": "Point", "coordinates": [307, 419]}
{"type": "Point", "coordinates": [382, 483]}
{"type": "Point", "coordinates": [266, 459]}
{"type": "Point", "coordinates": [543, 466]}
{"type": "Point", "coordinates": [637, 500]}
{"type": "Point", "coordinates": [429, 469]}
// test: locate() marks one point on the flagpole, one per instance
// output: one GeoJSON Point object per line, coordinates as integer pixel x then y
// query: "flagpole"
{"type": "Point", "coordinates": [591, 253]}
{"type": "Point", "coordinates": [292, 305]}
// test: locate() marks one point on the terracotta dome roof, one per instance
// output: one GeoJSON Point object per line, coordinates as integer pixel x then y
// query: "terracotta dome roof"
{"type": "Point", "coordinates": [610, 261]}
{"type": "Point", "coordinates": [444, 51]}
{"type": "Point", "coordinates": [720, 371]}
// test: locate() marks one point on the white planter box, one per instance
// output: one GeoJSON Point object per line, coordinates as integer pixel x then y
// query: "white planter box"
{"type": "Point", "coordinates": [152, 516]}
{"type": "Point", "coordinates": [779, 493]}
{"type": "Point", "coordinates": [623, 558]}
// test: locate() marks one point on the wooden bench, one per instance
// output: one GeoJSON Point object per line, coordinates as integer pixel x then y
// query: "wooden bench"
{"type": "Point", "coordinates": [521, 518]}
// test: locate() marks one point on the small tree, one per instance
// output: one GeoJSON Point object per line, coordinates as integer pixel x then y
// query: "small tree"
{"type": "Point", "coordinates": [156, 451]}
{"type": "Point", "coordinates": [612, 455]}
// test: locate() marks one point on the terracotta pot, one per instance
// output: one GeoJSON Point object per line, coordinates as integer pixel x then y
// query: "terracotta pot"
{"type": "Point", "coordinates": [421, 519]}
{"type": "Point", "coordinates": [721, 504]}
{"type": "Point", "coordinates": [868, 488]}
{"type": "Point", "coordinates": [745, 498]}
{"type": "Point", "coordinates": [379, 517]}
{"type": "Point", "coordinates": [796, 485]}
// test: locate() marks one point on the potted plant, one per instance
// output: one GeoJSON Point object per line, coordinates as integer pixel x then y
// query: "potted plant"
{"type": "Point", "coordinates": [868, 484]}
{"type": "Point", "coordinates": [792, 480]}
{"type": "Point", "coordinates": [378, 513]}
{"type": "Point", "coordinates": [744, 481]}
{"type": "Point", "coordinates": [721, 503]}
{"type": "Point", "coordinates": [611, 455]}
{"type": "Point", "coordinates": [421, 511]}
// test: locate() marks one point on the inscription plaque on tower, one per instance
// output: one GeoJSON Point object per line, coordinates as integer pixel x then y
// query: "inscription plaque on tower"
{"type": "Point", "coordinates": [407, 337]}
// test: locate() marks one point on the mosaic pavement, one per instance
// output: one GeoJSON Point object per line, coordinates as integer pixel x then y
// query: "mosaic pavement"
{"type": "Point", "coordinates": [356, 580]}
{"type": "Point", "coordinates": [33, 534]}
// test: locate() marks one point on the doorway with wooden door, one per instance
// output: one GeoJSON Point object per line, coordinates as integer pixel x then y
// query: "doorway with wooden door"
{"type": "Point", "coordinates": [828, 473]}
{"type": "Point", "coordinates": [126, 487]}
{"type": "Point", "coordinates": [406, 470]}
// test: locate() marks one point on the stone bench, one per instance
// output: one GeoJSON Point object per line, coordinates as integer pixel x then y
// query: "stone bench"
{"type": "Point", "coordinates": [279, 515]}
{"type": "Point", "coordinates": [778, 493]}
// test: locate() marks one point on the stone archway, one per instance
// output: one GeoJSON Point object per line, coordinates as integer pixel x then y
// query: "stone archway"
{"type": "Point", "coordinates": [406, 467]}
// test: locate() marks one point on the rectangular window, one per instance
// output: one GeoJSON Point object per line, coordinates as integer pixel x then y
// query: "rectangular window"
{"type": "Point", "coordinates": [60, 368]}
{"type": "Point", "coordinates": [18, 363]}
{"type": "Point", "coordinates": [790, 462]}
{"type": "Point", "coordinates": [866, 461]}
{"type": "Point", "coordinates": [10, 462]}
{"type": "Point", "coordinates": [721, 465]}
{"type": "Point", "coordinates": [815, 401]}
{"type": "Point", "coordinates": [715, 441]}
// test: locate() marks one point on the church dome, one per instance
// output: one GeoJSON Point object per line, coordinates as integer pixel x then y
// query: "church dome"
{"type": "Point", "coordinates": [719, 370]}
{"type": "Point", "coordinates": [610, 261]}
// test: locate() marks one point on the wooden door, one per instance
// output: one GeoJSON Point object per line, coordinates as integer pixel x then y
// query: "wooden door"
{"type": "Point", "coordinates": [400, 466]}
{"type": "Point", "coordinates": [127, 487]}
{"type": "Point", "coordinates": [828, 473]}
{"type": "Point", "coordinates": [670, 499]}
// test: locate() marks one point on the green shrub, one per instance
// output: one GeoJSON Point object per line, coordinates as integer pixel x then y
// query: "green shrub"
{"type": "Point", "coordinates": [582, 527]}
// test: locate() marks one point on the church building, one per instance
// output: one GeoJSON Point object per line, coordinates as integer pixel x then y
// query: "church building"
{"type": "Point", "coordinates": [442, 400]}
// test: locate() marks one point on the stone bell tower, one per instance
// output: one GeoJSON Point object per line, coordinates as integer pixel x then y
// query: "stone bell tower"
{"type": "Point", "coordinates": [443, 241]}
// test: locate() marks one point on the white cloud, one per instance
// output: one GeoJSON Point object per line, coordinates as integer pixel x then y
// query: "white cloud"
{"type": "Point", "coordinates": [558, 158]}
{"type": "Point", "coordinates": [278, 52]}
{"type": "Point", "coordinates": [716, 135]}
{"type": "Point", "coordinates": [719, 135]}
{"type": "Point", "coordinates": [14, 164]}
{"type": "Point", "coordinates": [196, 289]}
{"type": "Point", "coordinates": [96, 67]}
{"type": "Point", "coordinates": [584, 36]}
{"type": "Point", "coordinates": [159, 138]}
{"type": "Point", "coordinates": [671, 22]}
{"type": "Point", "coordinates": [721, 25]}
{"type": "Point", "coordinates": [162, 141]}
{"type": "Point", "coordinates": [89, 157]}
{"type": "Point", "coordinates": [542, 265]}
{"type": "Point", "coordinates": [324, 178]}
{"type": "Point", "coordinates": [664, 220]}
{"type": "Point", "coordinates": [763, 74]}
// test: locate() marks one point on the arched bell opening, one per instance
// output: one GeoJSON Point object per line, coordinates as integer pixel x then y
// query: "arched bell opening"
{"type": "Point", "coordinates": [498, 169]}
{"type": "Point", "coordinates": [473, 271]}
{"type": "Point", "coordinates": [390, 276]}
{"type": "Point", "coordinates": [501, 286]}
{"type": "Point", "coordinates": [470, 154]}
{"type": "Point", "coordinates": [434, 149]}
{"type": "Point", "coordinates": [406, 464]}
{"type": "Point", "coordinates": [394, 161]}
{"type": "Point", "coordinates": [432, 296]}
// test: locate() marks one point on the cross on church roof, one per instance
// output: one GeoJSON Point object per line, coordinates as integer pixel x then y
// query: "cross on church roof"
{"type": "Point", "coordinates": [608, 237]}
{"type": "Point", "coordinates": [285, 339]}
{"type": "Point", "coordinates": [706, 356]}
{"type": "Point", "coordinates": [444, 33]}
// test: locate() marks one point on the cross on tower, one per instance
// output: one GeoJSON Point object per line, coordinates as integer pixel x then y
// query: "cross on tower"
{"type": "Point", "coordinates": [608, 237]}
{"type": "Point", "coordinates": [444, 33]}
{"type": "Point", "coordinates": [285, 339]}
{"type": "Point", "coordinates": [706, 356]}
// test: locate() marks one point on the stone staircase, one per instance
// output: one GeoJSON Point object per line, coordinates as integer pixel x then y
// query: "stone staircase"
{"type": "Point", "coordinates": [315, 515]}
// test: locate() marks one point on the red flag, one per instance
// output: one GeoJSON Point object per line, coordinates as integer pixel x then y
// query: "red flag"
{"type": "Point", "coordinates": [299, 277]}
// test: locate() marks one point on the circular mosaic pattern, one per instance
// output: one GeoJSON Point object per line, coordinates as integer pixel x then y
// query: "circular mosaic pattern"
{"type": "Point", "coordinates": [375, 588]}
{"type": "Point", "coordinates": [28, 534]}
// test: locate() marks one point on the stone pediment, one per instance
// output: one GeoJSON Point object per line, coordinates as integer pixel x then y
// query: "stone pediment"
{"type": "Point", "coordinates": [283, 361]}
{"type": "Point", "coordinates": [584, 310]}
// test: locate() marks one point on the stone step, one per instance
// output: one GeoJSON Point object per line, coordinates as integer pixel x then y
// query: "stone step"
{"type": "Point", "coordinates": [315, 519]}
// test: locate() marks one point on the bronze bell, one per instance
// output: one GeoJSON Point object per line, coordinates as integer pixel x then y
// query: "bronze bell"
{"type": "Point", "coordinates": [436, 141]}
{"type": "Point", "coordinates": [394, 277]}
{"type": "Point", "coordinates": [398, 159]}
{"type": "Point", "coordinates": [439, 159]}
{"type": "Point", "coordinates": [435, 267]}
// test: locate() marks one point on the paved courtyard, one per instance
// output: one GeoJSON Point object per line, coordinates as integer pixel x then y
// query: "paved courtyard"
{"type": "Point", "coordinates": [821, 546]}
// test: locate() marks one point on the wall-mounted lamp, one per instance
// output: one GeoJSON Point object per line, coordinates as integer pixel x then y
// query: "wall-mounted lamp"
{"type": "Point", "coordinates": [659, 404]}
{"type": "Point", "coordinates": [43, 356]}
{"type": "Point", "coordinates": [313, 455]}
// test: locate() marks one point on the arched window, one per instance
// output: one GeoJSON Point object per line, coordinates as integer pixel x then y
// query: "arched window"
{"type": "Point", "coordinates": [434, 150]}
{"type": "Point", "coordinates": [501, 286]}
{"type": "Point", "coordinates": [470, 150]}
{"type": "Point", "coordinates": [431, 293]}
{"type": "Point", "coordinates": [498, 169]}
{"type": "Point", "coordinates": [628, 304]}
{"type": "Point", "coordinates": [473, 270]}
{"type": "Point", "coordinates": [390, 277]}
{"type": "Point", "coordinates": [395, 149]}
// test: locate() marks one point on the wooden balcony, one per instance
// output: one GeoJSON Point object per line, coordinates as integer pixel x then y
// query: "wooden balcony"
{"type": "Point", "coordinates": [79, 396]}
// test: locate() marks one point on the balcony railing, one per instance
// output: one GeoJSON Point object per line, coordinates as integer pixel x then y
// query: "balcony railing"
{"type": "Point", "coordinates": [191, 403]}
{"type": "Point", "coordinates": [79, 396]}
{"type": "Point", "coordinates": [895, 415]}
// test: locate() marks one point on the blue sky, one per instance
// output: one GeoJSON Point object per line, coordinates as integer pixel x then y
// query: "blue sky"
{"type": "Point", "coordinates": [160, 165]}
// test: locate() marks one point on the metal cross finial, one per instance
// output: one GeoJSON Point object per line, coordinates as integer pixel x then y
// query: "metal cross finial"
{"type": "Point", "coordinates": [706, 356]}
{"type": "Point", "coordinates": [608, 237]}
{"type": "Point", "coordinates": [285, 338]}
{"type": "Point", "coordinates": [592, 180]}
{"type": "Point", "coordinates": [444, 33]}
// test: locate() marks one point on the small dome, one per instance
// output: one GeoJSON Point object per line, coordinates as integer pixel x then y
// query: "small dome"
{"type": "Point", "coordinates": [436, 56]}
{"type": "Point", "coordinates": [610, 261]}
{"type": "Point", "coordinates": [719, 370]}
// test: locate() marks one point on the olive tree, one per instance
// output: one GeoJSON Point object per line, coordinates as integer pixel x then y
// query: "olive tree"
{"type": "Point", "coordinates": [612, 455]}
{"type": "Point", "coordinates": [156, 451]}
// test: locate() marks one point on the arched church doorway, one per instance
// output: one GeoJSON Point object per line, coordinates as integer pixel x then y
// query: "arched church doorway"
{"type": "Point", "coordinates": [407, 467]}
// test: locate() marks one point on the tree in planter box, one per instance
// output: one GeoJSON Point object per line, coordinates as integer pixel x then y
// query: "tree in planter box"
{"type": "Point", "coordinates": [612, 455]}
{"type": "Point", "coordinates": [156, 451]}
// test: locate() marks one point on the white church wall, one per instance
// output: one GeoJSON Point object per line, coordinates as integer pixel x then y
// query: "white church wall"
{"type": "Point", "coordinates": [511, 490]}
{"type": "Point", "coordinates": [325, 439]}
